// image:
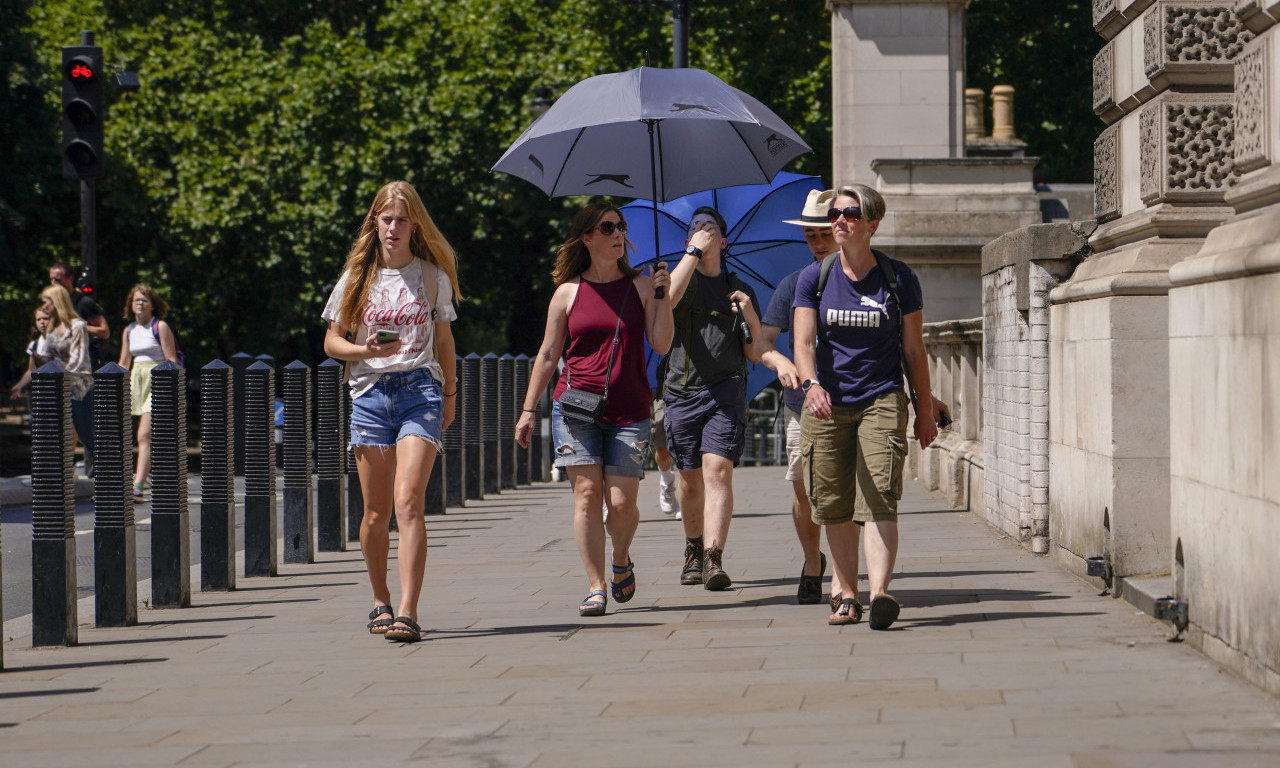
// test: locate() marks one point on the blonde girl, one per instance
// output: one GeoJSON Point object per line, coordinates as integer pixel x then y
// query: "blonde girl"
{"type": "Point", "coordinates": [146, 342]}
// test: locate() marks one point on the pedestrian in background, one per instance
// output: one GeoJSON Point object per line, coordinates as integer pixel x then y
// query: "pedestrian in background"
{"type": "Point", "coordinates": [852, 338]}
{"type": "Point", "coordinates": [68, 342]}
{"type": "Point", "coordinates": [777, 319]}
{"type": "Point", "coordinates": [37, 351]}
{"type": "Point", "coordinates": [146, 342]}
{"type": "Point", "coordinates": [88, 310]}
{"type": "Point", "coordinates": [606, 308]}
{"type": "Point", "coordinates": [389, 316]}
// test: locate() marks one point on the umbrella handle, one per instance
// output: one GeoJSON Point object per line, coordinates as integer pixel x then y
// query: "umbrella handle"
{"type": "Point", "coordinates": [746, 329]}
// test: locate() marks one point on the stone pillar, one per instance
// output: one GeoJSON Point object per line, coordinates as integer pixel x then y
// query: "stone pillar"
{"type": "Point", "coordinates": [975, 124]}
{"type": "Point", "coordinates": [1002, 113]}
{"type": "Point", "coordinates": [897, 82]}
{"type": "Point", "coordinates": [1163, 84]}
{"type": "Point", "coordinates": [1224, 388]}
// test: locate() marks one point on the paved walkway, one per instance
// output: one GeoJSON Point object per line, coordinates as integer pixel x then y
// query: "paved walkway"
{"type": "Point", "coordinates": [1000, 659]}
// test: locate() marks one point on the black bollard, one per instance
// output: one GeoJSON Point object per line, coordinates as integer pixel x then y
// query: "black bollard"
{"type": "Point", "coordinates": [115, 543]}
{"type": "Point", "coordinates": [455, 467]}
{"type": "Point", "coordinates": [434, 504]}
{"type": "Point", "coordinates": [259, 471]}
{"type": "Point", "coordinates": [170, 521]}
{"type": "Point", "coordinates": [507, 420]}
{"type": "Point", "coordinates": [331, 454]}
{"type": "Point", "coordinates": [299, 514]}
{"type": "Point", "coordinates": [472, 439]}
{"type": "Point", "coordinates": [217, 479]}
{"type": "Point", "coordinates": [489, 423]}
{"type": "Point", "coordinates": [239, 362]}
{"type": "Point", "coordinates": [522, 455]}
{"type": "Point", "coordinates": [53, 543]}
{"type": "Point", "coordinates": [355, 494]}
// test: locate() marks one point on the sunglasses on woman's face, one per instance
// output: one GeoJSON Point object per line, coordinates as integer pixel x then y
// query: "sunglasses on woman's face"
{"type": "Point", "coordinates": [851, 214]}
{"type": "Point", "coordinates": [607, 227]}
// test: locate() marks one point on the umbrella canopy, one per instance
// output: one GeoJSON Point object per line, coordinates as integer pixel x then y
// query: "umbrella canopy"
{"type": "Point", "coordinates": [762, 249]}
{"type": "Point", "coordinates": [651, 133]}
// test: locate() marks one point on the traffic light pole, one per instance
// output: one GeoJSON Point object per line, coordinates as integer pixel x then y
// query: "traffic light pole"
{"type": "Point", "coordinates": [679, 34]}
{"type": "Point", "coordinates": [89, 230]}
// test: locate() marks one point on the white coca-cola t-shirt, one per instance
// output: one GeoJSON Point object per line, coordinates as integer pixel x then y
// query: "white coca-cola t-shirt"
{"type": "Point", "coordinates": [400, 302]}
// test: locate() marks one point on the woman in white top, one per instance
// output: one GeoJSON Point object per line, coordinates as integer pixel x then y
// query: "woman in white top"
{"type": "Point", "coordinates": [147, 342]}
{"type": "Point", "coordinates": [398, 284]}
{"type": "Point", "coordinates": [67, 341]}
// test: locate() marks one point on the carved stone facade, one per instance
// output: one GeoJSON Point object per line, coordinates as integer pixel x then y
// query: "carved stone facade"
{"type": "Point", "coordinates": [1106, 185]}
{"type": "Point", "coordinates": [1252, 118]}
{"type": "Point", "coordinates": [1186, 150]}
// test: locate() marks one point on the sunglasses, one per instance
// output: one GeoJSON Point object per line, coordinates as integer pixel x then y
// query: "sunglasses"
{"type": "Point", "coordinates": [851, 213]}
{"type": "Point", "coordinates": [606, 228]}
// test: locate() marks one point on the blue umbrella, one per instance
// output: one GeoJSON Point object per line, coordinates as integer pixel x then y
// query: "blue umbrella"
{"type": "Point", "coordinates": [762, 249]}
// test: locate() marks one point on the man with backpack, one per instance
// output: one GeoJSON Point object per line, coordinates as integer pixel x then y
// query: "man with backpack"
{"type": "Point", "coordinates": [705, 393]}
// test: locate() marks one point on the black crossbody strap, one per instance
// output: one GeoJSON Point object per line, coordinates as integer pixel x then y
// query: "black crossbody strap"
{"type": "Point", "coordinates": [617, 329]}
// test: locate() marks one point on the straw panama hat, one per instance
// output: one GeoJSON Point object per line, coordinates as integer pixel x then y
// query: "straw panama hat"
{"type": "Point", "coordinates": [815, 209]}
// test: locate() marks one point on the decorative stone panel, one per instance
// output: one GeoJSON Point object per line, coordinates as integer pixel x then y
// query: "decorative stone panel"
{"type": "Point", "coordinates": [1255, 13]}
{"type": "Point", "coordinates": [1252, 114]}
{"type": "Point", "coordinates": [1186, 148]}
{"type": "Point", "coordinates": [1192, 43]}
{"type": "Point", "coordinates": [1104, 100]}
{"type": "Point", "coordinates": [1106, 176]}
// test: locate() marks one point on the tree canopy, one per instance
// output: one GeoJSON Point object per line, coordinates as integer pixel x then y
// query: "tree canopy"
{"type": "Point", "coordinates": [238, 174]}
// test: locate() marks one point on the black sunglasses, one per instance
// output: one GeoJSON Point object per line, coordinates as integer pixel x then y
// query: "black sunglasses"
{"type": "Point", "coordinates": [851, 213]}
{"type": "Point", "coordinates": [607, 227]}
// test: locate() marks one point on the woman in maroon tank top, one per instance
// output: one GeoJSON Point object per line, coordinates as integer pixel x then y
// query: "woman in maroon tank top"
{"type": "Point", "coordinates": [598, 293]}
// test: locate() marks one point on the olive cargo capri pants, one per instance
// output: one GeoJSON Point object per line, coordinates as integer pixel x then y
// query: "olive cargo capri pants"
{"type": "Point", "coordinates": [853, 462]}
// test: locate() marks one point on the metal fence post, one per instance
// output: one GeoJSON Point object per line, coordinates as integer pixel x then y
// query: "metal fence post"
{"type": "Point", "coordinates": [507, 419]}
{"type": "Point", "coordinates": [239, 362]}
{"type": "Point", "coordinates": [170, 521]}
{"type": "Point", "coordinates": [115, 544]}
{"type": "Point", "coordinates": [522, 455]}
{"type": "Point", "coordinates": [472, 437]}
{"type": "Point", "coordinates": [217, 479]}
{"type": "Point", "coordinates": [259, 471]}
{"type": "Point", "coordinates": [489, 423]}
{"type": "Point", "coordinates": [299, 514]}
{"type": "Point", "coordinates": [53, 543]}
{"type": "Point", "coordinates": [331, 455]}
{"type": "Point", "coordinates": [455, 468]}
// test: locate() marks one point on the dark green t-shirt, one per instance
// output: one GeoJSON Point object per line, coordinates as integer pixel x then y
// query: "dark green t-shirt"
{"type": "Point", "coordinates": [707, 348]}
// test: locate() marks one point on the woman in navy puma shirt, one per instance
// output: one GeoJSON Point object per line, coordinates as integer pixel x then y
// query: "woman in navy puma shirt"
{"type": "Point", "coordinates": [850, 343]}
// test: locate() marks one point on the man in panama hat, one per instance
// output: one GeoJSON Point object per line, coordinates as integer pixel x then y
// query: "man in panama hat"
{"type": "Point", "coordinates": [777, 318]}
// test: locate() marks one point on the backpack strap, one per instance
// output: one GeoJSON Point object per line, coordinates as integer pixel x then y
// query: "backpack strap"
{"type": "Point", "coordinates": [891, 281]}
{"type": "Point", "coordinates": [824, 274]}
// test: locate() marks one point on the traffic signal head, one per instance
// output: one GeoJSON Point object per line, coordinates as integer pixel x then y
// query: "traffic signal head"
{"type": "Point", "coordinates": [83, 111]}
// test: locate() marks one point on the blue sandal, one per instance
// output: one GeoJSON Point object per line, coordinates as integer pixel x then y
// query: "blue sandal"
{"type": "Point", "coordinates": [617, 587]}
{"type": "Point", "coordinates": [590, 607]}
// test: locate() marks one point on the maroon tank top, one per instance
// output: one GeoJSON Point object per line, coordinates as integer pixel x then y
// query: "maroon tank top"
{"type": "Point", "coordinates": [592, 318]}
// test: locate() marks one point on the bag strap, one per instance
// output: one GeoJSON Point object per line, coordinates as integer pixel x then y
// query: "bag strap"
{"type": "Point", "coordinates": [617, 329]}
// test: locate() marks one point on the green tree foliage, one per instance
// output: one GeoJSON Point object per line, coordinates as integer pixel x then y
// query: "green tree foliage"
{"type": "Point", "coordinates": [1045, 51]}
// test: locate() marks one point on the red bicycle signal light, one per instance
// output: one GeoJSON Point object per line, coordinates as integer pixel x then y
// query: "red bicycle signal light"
{"type": "Point", "coordinates": [83, 112]}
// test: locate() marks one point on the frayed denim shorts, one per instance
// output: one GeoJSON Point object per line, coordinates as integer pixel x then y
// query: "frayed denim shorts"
{"type": "Point", "coordinates": [399, 404]}
{"type": "Point", "coordinates": [620, 449]}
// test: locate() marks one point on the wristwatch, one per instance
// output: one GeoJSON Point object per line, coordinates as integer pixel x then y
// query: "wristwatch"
{"type": "Point", "coordinates": [808, 383]}
{"type": "Point", "coordinates": [693, 251]}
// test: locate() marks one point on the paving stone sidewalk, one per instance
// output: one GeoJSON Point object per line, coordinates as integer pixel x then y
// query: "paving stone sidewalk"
{"type": "Point", "coordinates": [1000, 659]}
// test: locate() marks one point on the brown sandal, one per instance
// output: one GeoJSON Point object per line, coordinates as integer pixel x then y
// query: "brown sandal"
{"type": "Point", "coordinates": [849, 612]}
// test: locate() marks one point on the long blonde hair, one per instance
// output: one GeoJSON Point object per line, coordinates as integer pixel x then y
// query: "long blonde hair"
{"type": "Point", "coordinates": [63, 312]}
{"type": "Point", "coordinates": [425, 243]}
{"type": "Point", "coordinates": [572, 258]}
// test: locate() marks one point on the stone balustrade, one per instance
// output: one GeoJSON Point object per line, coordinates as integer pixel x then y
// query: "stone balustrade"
{"type": "Point", "coordinates": [953, 465]}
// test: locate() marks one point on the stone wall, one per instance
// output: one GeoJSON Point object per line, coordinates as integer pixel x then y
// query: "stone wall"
{"type": "Point", "coordinates": [1018, 270]}
{"type": "Point", "coordinates": [953, 465]}
{"type": "Point", "coordinates": [1224, 388]}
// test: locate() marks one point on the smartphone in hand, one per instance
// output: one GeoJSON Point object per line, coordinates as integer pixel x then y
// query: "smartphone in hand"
{"type": "Point", "coordinates": [386, 336]}
{"type": "Point", "coordinates": [944, 420]}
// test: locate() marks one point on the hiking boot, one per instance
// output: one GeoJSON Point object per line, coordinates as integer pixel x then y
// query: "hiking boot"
{"type": "Point", "coordinates": [667, 501]}
{"type": "Point", "coordinates": [692, 573]}
{"type": "Point", "coordinates": [713, 576]}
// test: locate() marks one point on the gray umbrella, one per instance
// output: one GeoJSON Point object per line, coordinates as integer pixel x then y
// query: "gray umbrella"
{"type": "Point", "coordinates": [650, 133]}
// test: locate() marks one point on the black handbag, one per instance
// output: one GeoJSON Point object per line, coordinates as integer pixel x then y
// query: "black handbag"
{"type": "Point", "coordinates": [581, 404]}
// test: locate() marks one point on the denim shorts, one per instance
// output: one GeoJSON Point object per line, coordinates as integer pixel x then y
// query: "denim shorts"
{"type": "Point", "coordinates": [399, 404]}
{"type": "Point", "coordinates": [620, 449]}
